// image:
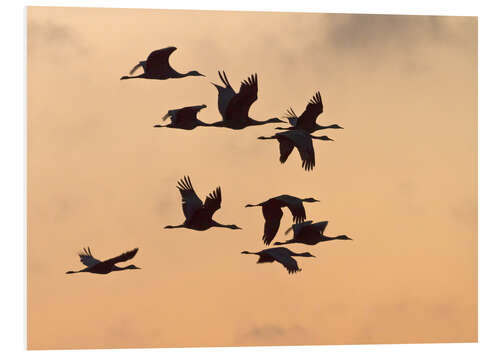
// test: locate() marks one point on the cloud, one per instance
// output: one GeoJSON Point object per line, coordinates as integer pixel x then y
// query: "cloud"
{"type": "Point", "coordinates": [359, 32]}
{"type": "Point", "coordinates": [54, 42]}
{"type": "Point", "coordinates": [274, 334]}
{"type": "Point", "coordinates": [378, 38]}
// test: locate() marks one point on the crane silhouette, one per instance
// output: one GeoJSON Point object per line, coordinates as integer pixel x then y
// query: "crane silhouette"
{"type": "Point", "coordinates": [310, 233]}
{"type": "Point", "coordinates": [271, 209]}
{"type": "Point", "coordinates": [184, 118]}
{"type": "Point", "coordinates": [282, 256]}
{"type": "Point", "coordinates": [157, 66]}
{"type": "Point", "coordinates": [307, 121]}
{"type": "Point", "coordinates": [234, 107]}
{"type": "Point", "coordinates": [103, 267]}
{"type": "Point", "coordinates": [299, 139]}
{"type": "Point", "coordinates": [198, 214]}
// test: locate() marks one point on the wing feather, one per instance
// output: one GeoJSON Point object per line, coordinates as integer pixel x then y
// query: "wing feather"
{"type": "Point", "coordinates": [239, 105]}
{"type": "Point", "coordinates": [272, 215]}
{"type": "Point", "coordinates": [190, 200]}
{"type": "Point", "coordinates": [313, 109]}
{"type": "Point", "coordinates": [213, 201]}
{"type": "Point", "coordinates": [122, 257]}
{"type": "Point", "coordinates": [87, 258]}
{"type": "Point", "coordinates": [158, 61]}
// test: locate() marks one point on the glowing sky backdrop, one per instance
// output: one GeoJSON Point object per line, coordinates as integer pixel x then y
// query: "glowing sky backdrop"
{"type": "Point", "coordinates": [400, 179]}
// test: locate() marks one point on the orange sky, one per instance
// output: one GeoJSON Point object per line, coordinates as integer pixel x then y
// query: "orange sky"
{"type": "Point", "coordinates": [401, 179]}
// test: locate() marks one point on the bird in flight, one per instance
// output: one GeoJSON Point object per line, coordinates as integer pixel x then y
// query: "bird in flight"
{"type": "Point", "coordinates": [271, 209]}
{"type": "Point", "coordinates": [302, 141]}
{"type": "Point", "coordinates": [96, 266]}
{"type": "Point", "coordinates": [234, 107]}
{"type": "Point", "coordinates": [157, 66]}
{"type": "Point", "coordinates": [199, 214]}
{"type": "Point", "coordinates": [184, 118]}
{"type": "Point", "coordinates": [282, 256]}
{"type": "Point", "coordinates": [307, 121]}
{"type": "Point", "coordinates": [310, 233]}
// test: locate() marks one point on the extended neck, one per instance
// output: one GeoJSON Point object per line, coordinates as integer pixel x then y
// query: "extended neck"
{"type": "Point", "coordinates": [131, 77]}
{"type": "Point", "coordinates": [217, 224]}
{"type": "Point", "coordinates": [333, 126]}
{"type": "Point", "coordinates": [171, 227]}
{"type": "Point", "coordinates": [341, 237]}
{"type": "Point", "coordinates": [259, 122]}
{"type": "Point", "coordinates": [267, 137]}
{"type": "Point", "coordinates": [287, 242]}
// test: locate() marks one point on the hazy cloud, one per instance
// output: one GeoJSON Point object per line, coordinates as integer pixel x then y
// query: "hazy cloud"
{"type": "Point", "coordinates": [267, 334]}
{"type": "Point", "coordinates": [54, 42]}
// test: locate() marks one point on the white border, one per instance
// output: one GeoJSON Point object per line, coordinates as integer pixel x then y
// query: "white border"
{"type": "Point", "coordinates": [13, 197]}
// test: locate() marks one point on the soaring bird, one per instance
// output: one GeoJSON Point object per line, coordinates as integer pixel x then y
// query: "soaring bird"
{"type": "Point", "coordinates": [307, 121]}
{"type": "Point", "coordinates": [184, 118]}
{"type": "Point", "coordinates": [199, 215]}
{"type": "Point", "coordinates": [156, 66]}
{"type": "Point", "coordinates": [271, 209]}
{"type": "Point", "coordinates": [104, 267]}
{"type": "Point", "coordinates": [282, 256]}
{"type": "Point", "coordinates": [234, 107]}
{"type": "Point", "coordinates": [302, 141]}
{"type": "Point", "coordinates": [310, 233]}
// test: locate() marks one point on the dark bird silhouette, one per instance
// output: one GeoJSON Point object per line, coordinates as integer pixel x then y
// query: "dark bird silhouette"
{"type": "Point", "coordinates": [104, 267]}
{"type": "Point", "coordinates": [184, 118]}
{"type": "Point", "coordinates": [302, 141]}
{"type": "Point", "coordinates": [282, 256]}
{"type": "Point", "coordinates": [199, 215]}
{"type": "Point", "coordinates": [157, 66]}
{"type": "Point", "coordinates": [234, 107]}
{"type": "Point", "coordinates": [307, 121]}
{"type": "Point", "coordinates": [271, 209]}
{"type": "Point", "coordinates": [310, 233]}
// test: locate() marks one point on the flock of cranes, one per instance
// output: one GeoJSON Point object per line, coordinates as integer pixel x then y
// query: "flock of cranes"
{"type": "Point", "coordinates": [234, 110]}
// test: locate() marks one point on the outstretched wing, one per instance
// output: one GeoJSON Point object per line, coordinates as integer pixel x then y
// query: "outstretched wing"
{"type": "Point", "coordinates": [184, 115]}
{"type": "Point", "coordinates": [306, 150]}
{"type": "Point", "coordinates": [122, 257]}
{"type": "Point", "coordinates": [313, 109]}
{"type": "Point", "coordinates": [297, 227]}
{"type": "Point", "coordinates": [286, 147]}
{"type": "Point", "coordinates": [282, 255]}
{"type": "Point", "coordinates": [87, 258]}
{"type": "Point", "coordinates": [238, 107]}
{"type": "Point", "coordinates": [213, 201]}
{"type": "Point", "coordinates": [225, 93]}
{"type": "Point", "coordinates": [157, 61]}
{"type": "Point", "coordinates": [190, 200]}
{"type": "Point", "coordinates": [319, 226]}
{"type": "Point", "coordinates": [295, 206]}
{"type": "Point", "coordinates": [272, 215]}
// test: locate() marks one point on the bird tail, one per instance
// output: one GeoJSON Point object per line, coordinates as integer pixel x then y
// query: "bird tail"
{"type": "Point", "coordinates": [135, 68]}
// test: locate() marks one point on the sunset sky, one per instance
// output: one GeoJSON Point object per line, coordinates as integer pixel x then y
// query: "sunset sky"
{"type": "Point", "coordinates": [400, 179]}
